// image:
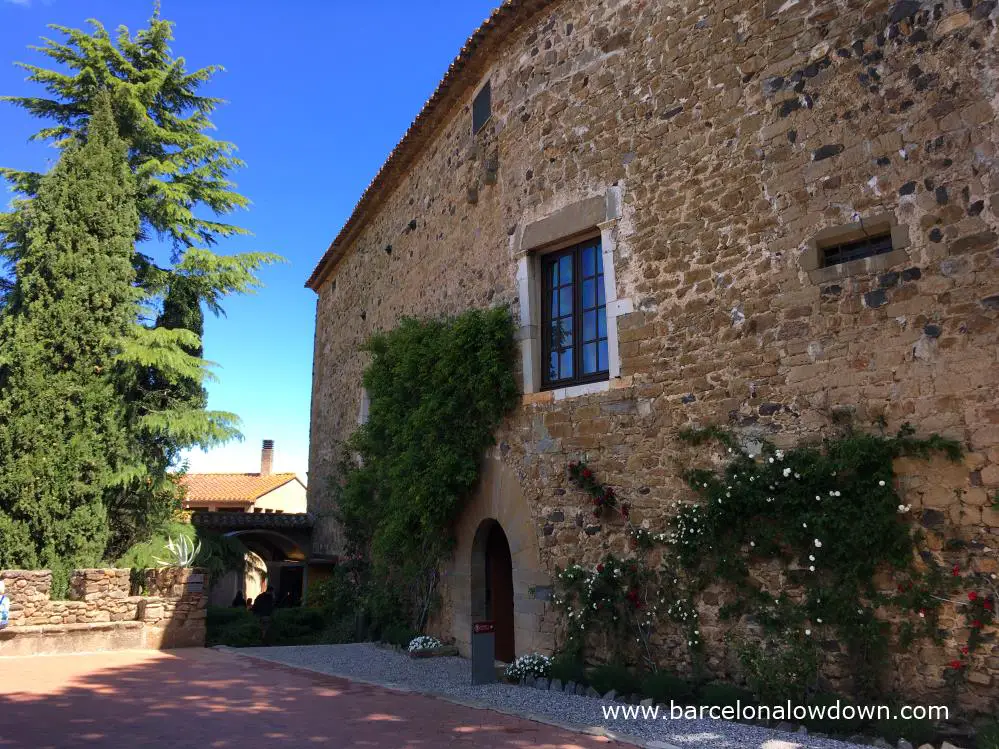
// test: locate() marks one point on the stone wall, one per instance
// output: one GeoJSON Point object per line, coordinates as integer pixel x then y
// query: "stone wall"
{"type": "Point", "coordinates": [173, 615]}
{"type": "Point", "coordinates": [735, 133]}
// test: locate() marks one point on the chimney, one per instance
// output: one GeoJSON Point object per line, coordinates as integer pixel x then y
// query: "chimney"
{"type": "Point", "coordinates": [267, 458]}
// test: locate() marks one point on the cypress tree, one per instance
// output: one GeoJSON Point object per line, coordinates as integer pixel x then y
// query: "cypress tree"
{"type": "Point", "coordinates": [71, 311]}
{"type": "Point", "coordinates": [183, 189]}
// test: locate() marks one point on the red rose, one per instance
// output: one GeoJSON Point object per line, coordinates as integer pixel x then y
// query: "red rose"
{"type": "Point", "coordinates": [955, 664]}
{"type": "Point", "coordinates": [900, 588]}
{"type": "Point", "coordinates": [587, 473]}
{"type": "Point", "coordinates": [956, 571]}
{"type": "Point", "coordinates": [976, 624]}
{"type": "Point", "coordinates": [964, 650]}
{"type": "Point", "coordinates": [987, 605]}
{"type": "Point", "coordinates": [600, 568]}
{"type": "Point", "coordinates": [972, 596]}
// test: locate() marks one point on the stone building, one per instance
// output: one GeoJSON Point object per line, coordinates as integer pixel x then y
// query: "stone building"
{"type": "Point", "coordinates": [795, 205]}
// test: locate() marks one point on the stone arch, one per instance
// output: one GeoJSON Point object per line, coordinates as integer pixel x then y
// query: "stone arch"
{"type": "Point", "coordinates": [499, 499]}
{"type": "Point", "coordinates": [283, 558]}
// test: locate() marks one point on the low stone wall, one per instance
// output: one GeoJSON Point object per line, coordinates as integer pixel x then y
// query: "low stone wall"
{"type": "Point", "coordinates": [172, 616]}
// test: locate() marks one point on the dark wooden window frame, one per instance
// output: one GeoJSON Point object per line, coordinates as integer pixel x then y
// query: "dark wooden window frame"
{"type": "Point", "coordinates": [482, 107]}
{"type": "Point", "coordinates": [545, 262]}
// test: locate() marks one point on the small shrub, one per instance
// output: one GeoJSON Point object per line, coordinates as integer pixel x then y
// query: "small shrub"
{"type": "Point", "coordinates": [988, 735]}
{"type": "Point", "coordinates": [424, 642]}
{"type": "Point", "coordinates": [236, 628]}
{"type": "Point", "coordinates": [233, 627]}
{"type": "Point", "coordinates": [532, 664]}
{"type": "Point", "coordinates": [219, 616]}
{"type": "Point", "coordinates": [724, 695]}
{"type": "Point", "coordinates": [398, 634]}
{"type": "Point", "coordinates": [612, 676]}
{"type": "Point", "coordinates": [779, 670]}
{"type": "Point", "coordinates": [916, 732]}
{"type": "Point", "coordinates": [838, 726]}
{"type": "Point", "coordinates": [565, 668]}
{"type": "Point", "coordinates": [665, 688]}
{"type": "Point", "coordinates": [296, 626]}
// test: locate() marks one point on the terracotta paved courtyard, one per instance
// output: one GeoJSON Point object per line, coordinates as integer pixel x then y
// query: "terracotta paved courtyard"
{"type": "Point", "coordinates": [203, 698]}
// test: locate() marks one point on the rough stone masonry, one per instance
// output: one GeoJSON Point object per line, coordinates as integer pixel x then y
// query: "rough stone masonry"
{"type": "Point", "coordinates": [734, 138]}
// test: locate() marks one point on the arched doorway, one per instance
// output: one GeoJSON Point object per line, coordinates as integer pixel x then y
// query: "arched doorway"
{"type": "Point", "coordinates": [492, 585]}
{"type": "Point", "coordinates": [284, 561]}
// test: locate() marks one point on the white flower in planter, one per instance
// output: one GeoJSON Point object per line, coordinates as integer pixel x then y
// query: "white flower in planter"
{"type": "Point", "coordinates": [424, 642]}
{"type": "Point", "coordinates": [531, 664]}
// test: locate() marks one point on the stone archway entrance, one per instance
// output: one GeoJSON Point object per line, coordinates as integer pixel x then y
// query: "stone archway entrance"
{"type": "Point", "coordinates": [497, 502]}
{"type": "Point", "coordinates": [279, 542]}
{"type": "Point", "coordinates": [492, 585]}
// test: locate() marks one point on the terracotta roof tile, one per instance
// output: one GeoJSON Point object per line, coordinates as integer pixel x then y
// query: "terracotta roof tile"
{"type": "Point", "coordinates": [462, 74]}
{"type": "Point", "coordinates": [237, 488]}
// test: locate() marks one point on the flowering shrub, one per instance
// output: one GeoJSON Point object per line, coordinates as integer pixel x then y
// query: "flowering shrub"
{"type": "Point", "coordinates": [532, 664]}
{"type": "Point", "coordinates": [829, 515]}
{"type": "Point", "coordinates": [603, 497]}
{"type": "Point", "coordinates": [805, 508]}
{"type": "Point", "coordinates": [780, 668]}
{"type": "Point", "coordinates": [424, 642]}
{"type": "Point", "coordinates": [618, 597]}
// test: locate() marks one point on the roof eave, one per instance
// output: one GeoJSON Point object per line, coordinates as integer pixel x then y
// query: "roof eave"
{"type": "Point", "coordinates": [452, 86]}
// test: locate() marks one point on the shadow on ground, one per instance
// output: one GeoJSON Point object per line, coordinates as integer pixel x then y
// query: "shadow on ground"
{"type": "Point", "coordinates": [202, 698]}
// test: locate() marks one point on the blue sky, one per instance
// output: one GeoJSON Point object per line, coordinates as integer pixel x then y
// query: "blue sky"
{"type": "Point", "coordinates": [319, 92]}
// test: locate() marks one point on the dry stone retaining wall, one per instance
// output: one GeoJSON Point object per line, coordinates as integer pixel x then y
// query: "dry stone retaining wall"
{"type": "Point", "coordinates": [735, 133]}
{"type": "Point", "coordinates": [173, 616]}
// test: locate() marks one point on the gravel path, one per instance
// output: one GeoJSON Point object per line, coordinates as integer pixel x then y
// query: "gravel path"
{"type": "Point", "coordinates": [449, 678]}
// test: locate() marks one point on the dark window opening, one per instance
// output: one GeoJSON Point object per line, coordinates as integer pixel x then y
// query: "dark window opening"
{"type": "Point", "coordinates": [482, 107]}
{"type": "Point", "coordinates": [574, 316]}
{"type": "Point", "coordinates": [879, 244]}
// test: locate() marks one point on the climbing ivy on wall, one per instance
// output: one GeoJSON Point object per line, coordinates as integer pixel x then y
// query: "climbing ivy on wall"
{"type": "Point", "coordinates": [438, 390]}
{"type": "Point", "coordinates": [826, 516]}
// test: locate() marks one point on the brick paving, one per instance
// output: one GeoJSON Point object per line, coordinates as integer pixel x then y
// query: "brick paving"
{"type": "Point", "coordinates": [207, 699]}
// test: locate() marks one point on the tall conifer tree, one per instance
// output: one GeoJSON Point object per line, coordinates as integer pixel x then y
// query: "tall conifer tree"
{"type": "Point", "coordinates": [182, 177]}
{"type": "Point", "coordinates": [71, 313]}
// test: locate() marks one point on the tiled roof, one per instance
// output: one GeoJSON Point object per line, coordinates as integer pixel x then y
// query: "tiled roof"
{"type": "Point", "coordinates": [462, 74]}
{"type": "Point", "coordinates": [235, 488]}
{"type": "Point", "coordinates": [251, 520]}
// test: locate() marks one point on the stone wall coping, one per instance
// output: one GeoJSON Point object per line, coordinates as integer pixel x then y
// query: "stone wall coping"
{"type": "Point", "coordinates": [32, 574]}
{"type": "Point", "coordinates": [50, 629]}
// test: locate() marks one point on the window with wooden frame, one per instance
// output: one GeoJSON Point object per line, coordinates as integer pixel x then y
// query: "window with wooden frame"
{"type": "Point", "coordinates": [574, 316]}
{"type": "Point", "coordinates": [482, 107]}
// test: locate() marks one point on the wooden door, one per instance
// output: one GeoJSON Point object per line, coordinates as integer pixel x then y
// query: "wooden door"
{"type": "Point", "coordinates": [499, 595]}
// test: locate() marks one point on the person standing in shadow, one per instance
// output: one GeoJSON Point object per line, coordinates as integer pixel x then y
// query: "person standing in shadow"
{"type": "Point", "coordinates": [263, 609]}
{"type": "Point", "coordinates": [238, 602]}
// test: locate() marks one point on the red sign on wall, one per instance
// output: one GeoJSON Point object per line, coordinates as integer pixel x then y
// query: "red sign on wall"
{"type": "Point", "coordinates": [483, 628]}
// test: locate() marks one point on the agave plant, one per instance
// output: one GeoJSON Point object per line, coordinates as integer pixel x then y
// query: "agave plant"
{"type": "Point", "coordinates": [182, 552]}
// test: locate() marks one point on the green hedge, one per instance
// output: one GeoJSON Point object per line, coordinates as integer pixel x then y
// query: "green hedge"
{"type": "Point", "coordinates": [297, 626]}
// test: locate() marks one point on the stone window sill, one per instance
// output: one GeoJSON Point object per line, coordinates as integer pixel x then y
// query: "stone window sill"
{"type": "Point", "coordinates": [863, 266]}
{"type": "Point", "coordinates": [592, 388]}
